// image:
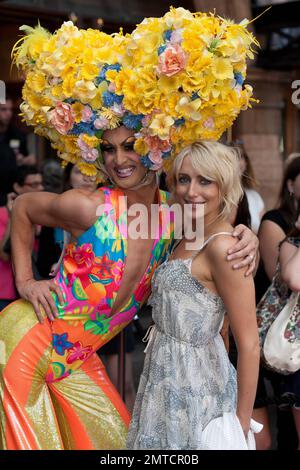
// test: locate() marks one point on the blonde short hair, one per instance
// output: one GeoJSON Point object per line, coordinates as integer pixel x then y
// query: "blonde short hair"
{"type": "Point", "coordinates": [216, 162]}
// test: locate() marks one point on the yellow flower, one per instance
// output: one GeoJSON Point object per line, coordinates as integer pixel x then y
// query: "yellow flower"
{"type": "Point", "coordinates": [89, 71]}
{"type": "Point", "coordinates": [84, 90]}
{"type": "Point", "coordinates": [192, 40]}
{"type": "Point", "coordinates": [36, 101]}
{"type": "Point", "coordinates": [111, 75]}
{"type": "Point", "coordinates": [114, 121]}
{"type": "Point", "coordinates": [87, 169]}
{"type": "Point", "coordinates": [141, 147]}
{"type": "Point", "coordinates": [177, 17]}
{"type": "Point", "coordinates": [37, 81]}
{"type": "Point", "coordinates": [222, 68]}
{"type": "Point", "coordinates": [29, 47]}
{"type": "Point", "coordinates": [139, 89]}
{"type": "Point", "coordinates": [71, 145]}
{"type": "Point", "coordinates": [68, 85]}
{"type": "Point", "coordinates": [161, 125]}
{"type": "Point", "coordinates": [189, 109]}
{"type": "Point", "coordinates": [90, 140]}
{"type": "Point", "coordinates": [169, 84]}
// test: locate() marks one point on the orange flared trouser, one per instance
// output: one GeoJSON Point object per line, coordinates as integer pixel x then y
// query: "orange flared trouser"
{"type": "Point", "coordinates": [82, 411]}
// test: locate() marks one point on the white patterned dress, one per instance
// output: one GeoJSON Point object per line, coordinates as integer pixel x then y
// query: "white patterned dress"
{"type": "Point", "coordinates": [187, 379]}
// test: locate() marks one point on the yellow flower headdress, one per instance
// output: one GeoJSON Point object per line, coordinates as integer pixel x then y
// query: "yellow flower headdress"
{"type": "Point", "coordinates": [174, 80]}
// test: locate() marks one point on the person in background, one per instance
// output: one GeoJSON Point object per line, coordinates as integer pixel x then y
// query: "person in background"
{"type": "Point", "coordinates": [13, 150]}
{"type": "Point", "coordinates": [275, 226]}
{"type": "Point", "coordinates": [28, 180]}
{"type": "Point", "coordinates": [12, 136]}
{"type": "Point", "coordinates": [256, 204]}
{"type": "Point", "coordinates": [289, 263]}
{"type": "Point", "coordinates": [48, 251]}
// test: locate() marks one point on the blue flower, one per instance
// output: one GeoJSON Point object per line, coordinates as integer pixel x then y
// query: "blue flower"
{"type": "Point", "coordinates": [166, 154]}
{"type": "Point", "coordinates": [104, 69]}
{"type": "Point", "coordinates": [146, 161]}
{"type": "Point", "coordinates": [179, 122]}
{"type": "Point", "coordinates": [161, 49]}
{"type": "Point", "coordinates": [61, 343]}
{"type": "Point", "coordinates": [239, 78]}
{"type": "Point", "coordinates": [110, 98]}
{"type": "Point", "coordinates": [82, 128]}
{"type": "Point", "coordinates": [132, 121]}
{"type": "Point", "coordinates": [167, 35]}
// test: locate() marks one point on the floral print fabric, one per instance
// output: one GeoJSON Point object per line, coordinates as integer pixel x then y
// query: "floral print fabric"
{"type": "Point", "coordinates": [90, 276]}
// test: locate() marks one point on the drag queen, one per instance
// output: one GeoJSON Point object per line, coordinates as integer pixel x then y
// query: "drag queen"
{"type": "Point", "coordinates": [120, 110]}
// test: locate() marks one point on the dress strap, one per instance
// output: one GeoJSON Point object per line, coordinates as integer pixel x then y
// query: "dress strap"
{"type": "Point", "coordinates": [208, 240]}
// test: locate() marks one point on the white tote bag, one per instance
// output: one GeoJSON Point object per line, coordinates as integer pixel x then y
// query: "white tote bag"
{"type": "Point", "coordinates": [280, 351]}
{"type": "Point", "coordinates": [226, 433]}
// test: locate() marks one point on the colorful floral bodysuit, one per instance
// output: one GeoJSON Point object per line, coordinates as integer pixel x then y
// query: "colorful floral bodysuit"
{"type": "Point", "coordinates": [55, 393]}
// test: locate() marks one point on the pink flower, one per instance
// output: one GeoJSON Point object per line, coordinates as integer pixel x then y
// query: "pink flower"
{"type": "Point", "coordinates": [146, 120]}
{"type": "Point", "coordinates": [172, 60]}
{"type": "Point", "coordinates": [155, 143]}
{"type": "Point", "coordinates": [156, 159]}
{"type": "Point", "coordinates": [62, 118]}
{"type": "Point", "coordinates": [118, 109]}
{"type": "Point", "coordinates": [176, 36]}
{"type": "Point", "coordinates": [101, 123]}
{"type": "Point", "coordinates": [79, 353]}
{"type": "Point", "coordinates": [89, 154]}
{"type": "Point", "coordinates": [87, 114]}
{"type": "Point", "coordinates": [112, 87]}
{"type": "Point", "coordinates": [209, 123]}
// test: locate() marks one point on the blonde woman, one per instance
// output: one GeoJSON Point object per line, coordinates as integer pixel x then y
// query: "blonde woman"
{"type": "Point", "coordinates": [187, 379]}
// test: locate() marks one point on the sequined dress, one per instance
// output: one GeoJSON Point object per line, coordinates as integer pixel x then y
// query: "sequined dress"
{"type": "Point", "coordinates": [187, 378]}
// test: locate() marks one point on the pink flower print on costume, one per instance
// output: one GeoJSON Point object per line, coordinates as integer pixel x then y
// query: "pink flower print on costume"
{"type": "Point", "coordinates": [79, 352]}
{"type": "Point", "coordinates": [91, 275]}
{"type": "Point", "coordinates": [78, 260]}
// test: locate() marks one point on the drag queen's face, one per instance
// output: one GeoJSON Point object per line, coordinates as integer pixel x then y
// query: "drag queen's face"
{"type": "Point", "coordinates": [121, 161]}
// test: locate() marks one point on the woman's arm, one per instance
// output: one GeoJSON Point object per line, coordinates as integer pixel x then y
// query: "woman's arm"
{"type": "Point", "coordinates": [74, 211]}
{"type": "Point", "coordinates": [289, 257]}
{"type": "Point", "coordinates": [270, 235]}
{"type": "Point", "coordinates": [238, 295]}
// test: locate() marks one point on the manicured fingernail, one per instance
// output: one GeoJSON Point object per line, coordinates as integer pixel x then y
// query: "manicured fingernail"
{"type": "Point", "coordinates": [229, 258]}
{"type": "Point", "coordinates": [235, 266]}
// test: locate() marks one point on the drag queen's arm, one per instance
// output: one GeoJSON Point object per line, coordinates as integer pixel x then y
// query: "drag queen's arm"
{"type": "Point", "coordinates": [238, 295]}
{"type": "Point", "coordinates": [73, 211]}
